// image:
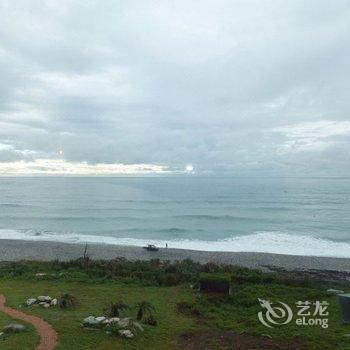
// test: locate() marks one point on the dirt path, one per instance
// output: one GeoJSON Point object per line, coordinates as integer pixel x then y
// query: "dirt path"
{"type": "Point", "coordinates": [48, 336]}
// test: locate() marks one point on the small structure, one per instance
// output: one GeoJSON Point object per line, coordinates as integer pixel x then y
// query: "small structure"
{"type": "Point", "coordinates": [344, 303]}
{"type": "Point", "coordinates": [151, 248]}
{"type": "Point", "coordinates": [215, 283]}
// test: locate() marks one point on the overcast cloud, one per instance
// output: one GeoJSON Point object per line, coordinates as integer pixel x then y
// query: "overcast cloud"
{"type": "Point", "coordinates": [227, 86]}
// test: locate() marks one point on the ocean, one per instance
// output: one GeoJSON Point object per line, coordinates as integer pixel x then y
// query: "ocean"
{"type": "Point", "coordinates": [302, 216]}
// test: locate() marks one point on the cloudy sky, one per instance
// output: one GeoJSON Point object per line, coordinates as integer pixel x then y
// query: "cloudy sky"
{"type": "Point", "coordinates": [247, 86]}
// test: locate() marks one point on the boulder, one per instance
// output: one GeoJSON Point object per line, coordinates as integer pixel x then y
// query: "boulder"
{"type": "Point", "coordinates": [31, 301]}
{"type": "Point", "coordinates": [126, 333]}
{"type": "Point", "coordinates": [114, 319]}
{"type": "Point", "coordinates": [124, 322]}
{"type": "Point", "coordinates": [45, 298]}
{"type": "Point", "coordinates": [90, 321]}
{"type": "Point", "coordinates": [53, 302]}
{"type": "Point", "coordinates": [14, 328]}
{"type": "Point", "coordinates": [44, 304]}
{"type": "Point", "coordinates": [100, 319]}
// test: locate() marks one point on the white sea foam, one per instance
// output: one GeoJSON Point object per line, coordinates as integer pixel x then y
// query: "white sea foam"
{"type": "Point", "coordinates": [266, 241]}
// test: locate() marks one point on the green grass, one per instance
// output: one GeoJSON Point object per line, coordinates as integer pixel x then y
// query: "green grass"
{"type": "Point", "coordinates": [16, 341]}
{"type": "Point", "coordinates": [93, 298]}
{"type": "Point", "coordinates": [94, 291]}
{"type": "Point", "coordinates": [239, 313]}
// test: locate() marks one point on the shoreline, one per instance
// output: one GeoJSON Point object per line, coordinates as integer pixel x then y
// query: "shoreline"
{"type": "Point", "coordinates": [14, 250]}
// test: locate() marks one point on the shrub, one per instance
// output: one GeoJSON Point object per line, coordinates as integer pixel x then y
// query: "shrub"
{"type": "Point", "coordinates": [67, 301]}
{"type": "Point", "coordinates": [150, 320]}
{"type": "Point", "coordinates": [252, 276]}
{"type": "Point", "coordinates": [170, 279]}
{"type": "Point", "coordinates": [144, 307]}
{"type": "Point", "coordinates": [114, 309]}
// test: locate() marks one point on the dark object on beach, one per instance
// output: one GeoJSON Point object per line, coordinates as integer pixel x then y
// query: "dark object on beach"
{"type": "Point", "coordinates": [344, 303]}
{"type": "Point", "coordinates": [151, 248]}
{"type": "Point", "coordinates": [67, 301]}
{"type": "Point", "coordinates": [215, 283]}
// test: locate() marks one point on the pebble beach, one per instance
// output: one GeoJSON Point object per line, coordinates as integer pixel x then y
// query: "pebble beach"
{"type": "Point", "coordinates": [14, 250]}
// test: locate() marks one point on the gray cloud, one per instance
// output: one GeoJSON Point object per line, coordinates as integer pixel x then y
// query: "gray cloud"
{"type": "Point", "coordinates": [224, 85]}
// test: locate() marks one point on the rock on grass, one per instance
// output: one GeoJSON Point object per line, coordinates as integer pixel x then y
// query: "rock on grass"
{"type": "Point", "coordinates": [14, 328]}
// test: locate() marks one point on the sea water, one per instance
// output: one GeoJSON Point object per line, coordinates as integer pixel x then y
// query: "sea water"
{"type": "Point", "coordinates": [303, 216]}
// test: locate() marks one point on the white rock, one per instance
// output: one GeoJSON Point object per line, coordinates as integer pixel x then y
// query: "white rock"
{"type": "Point", "coordinates": [124, 322]}
{"type": "Point", "coordinates": [100, 318]}
{"type": "Point", "coordinates": [44, 304]}
{"type": "Point", "coordinates": [30, 301]}
{"type": "Point", "coordinates": [45, 298]}
{"type": "Point", "coordinates": [114, 319]}
{"type": "Point", "coordinates": [90, 321]}
{"type": "Point", "coordinates": [54, 302]}
{"type": "Point", "coordinates": [14, 328]}
{"type": "Point", "coordinates": [126, 333]}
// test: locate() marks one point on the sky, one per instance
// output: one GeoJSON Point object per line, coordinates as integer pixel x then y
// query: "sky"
{"type": "Point", "coordinates": [121, 87]}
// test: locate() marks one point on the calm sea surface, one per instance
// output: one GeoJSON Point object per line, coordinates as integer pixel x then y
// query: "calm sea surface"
{"type": "Point", "coordinates": [280, 215]}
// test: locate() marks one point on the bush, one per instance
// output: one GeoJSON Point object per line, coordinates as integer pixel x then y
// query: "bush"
{"type": "Point", "coordinates": [114, 309]}
{"type": "Point", "coordinates": [170, 279]}
{"type": "Point", "coordinates": [143, 308]}
{"type": "Point", "coordinates": [252, 276]}
{"type": "Point", "coordinates": [154, 272]}
{"type": "Point", "coordinates": [67, 301]}
{"type": "Point", "coordinates": [150, 320]}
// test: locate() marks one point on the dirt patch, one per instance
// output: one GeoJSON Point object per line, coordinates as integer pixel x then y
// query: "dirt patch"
{"type": "Point", "coordinates": [229, 340]}
{"type": "Point", "coordinates": [48, 336]}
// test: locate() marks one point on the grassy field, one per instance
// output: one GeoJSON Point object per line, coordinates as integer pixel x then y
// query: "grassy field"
{"type": "Point", "coordinates": [18, 341]}
{"type": "Point", "coordinates": [186, 318]}
{"type": "Point", "coordinates": [92, 301]}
